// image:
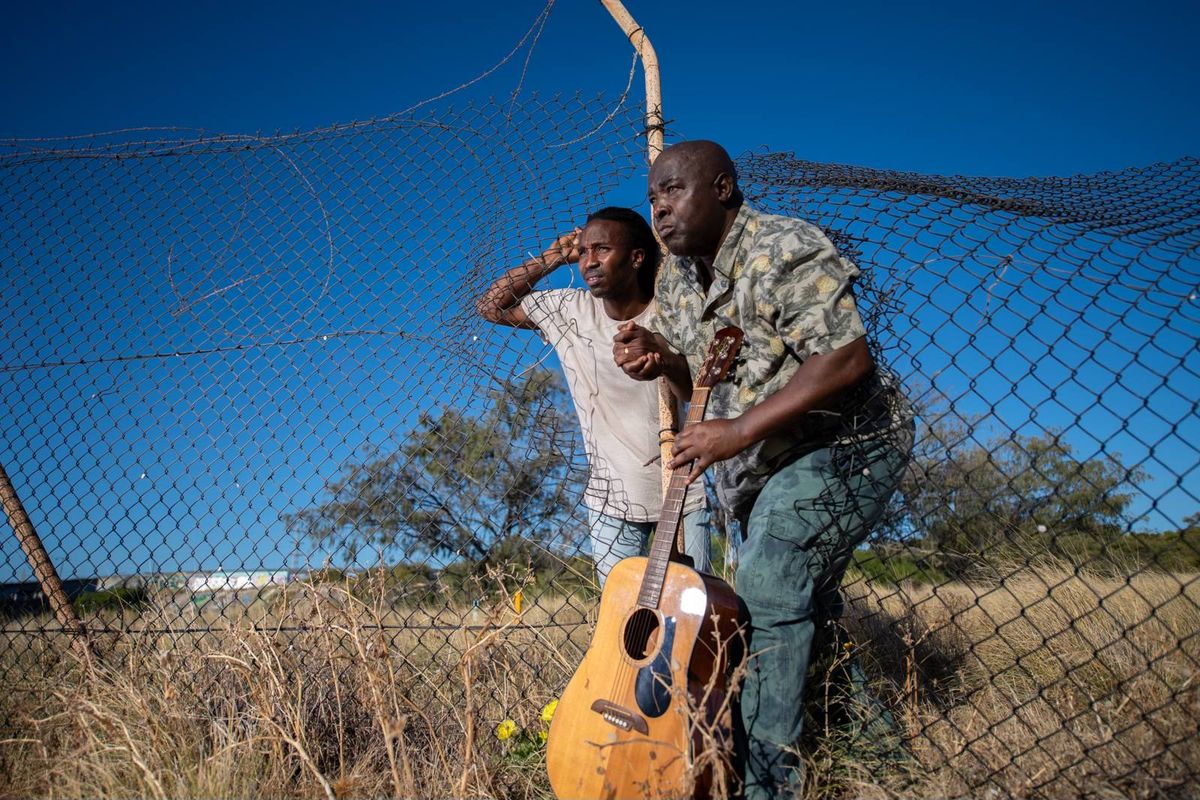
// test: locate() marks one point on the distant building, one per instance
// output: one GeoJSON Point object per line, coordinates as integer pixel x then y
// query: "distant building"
{"type": "Point", "coordinates": [206, 582]}
{"type": "Point", "coordinates": [26, 597]}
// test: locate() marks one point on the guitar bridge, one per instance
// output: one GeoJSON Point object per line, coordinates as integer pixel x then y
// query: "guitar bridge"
{"type": "Point", "coordinates": [621, 717]}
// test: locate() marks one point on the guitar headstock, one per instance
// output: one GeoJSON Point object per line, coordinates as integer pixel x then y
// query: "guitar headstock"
{"type": "Point", "coordinates": [721, 352]}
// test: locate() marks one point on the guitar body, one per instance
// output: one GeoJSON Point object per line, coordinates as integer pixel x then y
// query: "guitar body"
{"type": "Point", "coordinates": [649, 696]}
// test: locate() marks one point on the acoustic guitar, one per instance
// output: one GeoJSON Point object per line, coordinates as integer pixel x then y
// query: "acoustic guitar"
{"type": "Point", "coordinates": [646, 714]}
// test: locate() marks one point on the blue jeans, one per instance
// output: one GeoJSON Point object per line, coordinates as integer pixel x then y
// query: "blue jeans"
{"type": "Point", "coordinates": [800, 535]}
{"type": "Point", "coordinates": [614, 538]}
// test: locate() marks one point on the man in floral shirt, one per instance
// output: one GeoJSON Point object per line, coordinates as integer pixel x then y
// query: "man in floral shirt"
{"type": "Point", "coordinates": [808, 439]}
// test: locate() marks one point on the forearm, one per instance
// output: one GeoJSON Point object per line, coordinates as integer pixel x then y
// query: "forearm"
{"type": "Point", "coordinates": [817, 384]}
{"type": "Point", "coordinates": [675, 371]}
{"type": "Point", "coordinates": [513, 286]}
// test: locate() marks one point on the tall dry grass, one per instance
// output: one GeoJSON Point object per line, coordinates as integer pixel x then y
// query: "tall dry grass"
{"type": "Point", "coordinates": [1050, 683]}
{"type": "Point", "coordinates": [363, 700]}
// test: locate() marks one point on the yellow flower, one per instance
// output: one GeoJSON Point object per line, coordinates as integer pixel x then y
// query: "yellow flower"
{"type": "Point", "coordinates": [542, 736]}
{"type": "Point", "coordinates": [548, 710]}
{"type": "Point", "coordinates": [505, 730]}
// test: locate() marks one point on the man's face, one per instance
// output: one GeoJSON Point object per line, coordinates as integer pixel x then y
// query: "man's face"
{"type": "Point", "coordinates": [606, 260]}
{"type": "Point", "coordinates": [684, 205]}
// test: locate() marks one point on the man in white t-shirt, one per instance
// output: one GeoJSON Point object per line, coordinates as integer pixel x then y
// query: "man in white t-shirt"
{"type": "Point", "coordinates": [617, 256]}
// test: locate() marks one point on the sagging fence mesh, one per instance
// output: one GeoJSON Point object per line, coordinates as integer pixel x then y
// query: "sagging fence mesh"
{"type": "Point", "coordinates": [253, 412]}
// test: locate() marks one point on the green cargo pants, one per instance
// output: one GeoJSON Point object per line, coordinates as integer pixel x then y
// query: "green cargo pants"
{"type": "Point", "coordinates": [800, 535]}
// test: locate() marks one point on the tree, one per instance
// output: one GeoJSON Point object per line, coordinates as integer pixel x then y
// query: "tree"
{"type": "Point", "coordinates": [461, 487]}
{"type": "Point", "coordinates": [1012, 499]}
{"type": "Point", "coordinates": [1172, 551]}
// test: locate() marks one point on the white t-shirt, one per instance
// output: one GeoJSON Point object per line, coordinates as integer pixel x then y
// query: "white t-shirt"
{"type": "Point", "coordinates": [617, 414]}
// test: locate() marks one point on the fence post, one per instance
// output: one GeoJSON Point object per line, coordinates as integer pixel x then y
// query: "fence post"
{"type": "Point", "coordinates": [641, 43]}
{"type": "Point", "coordinates": [668, 407]}
{"type": "Point", "coordinates": [43, 567]}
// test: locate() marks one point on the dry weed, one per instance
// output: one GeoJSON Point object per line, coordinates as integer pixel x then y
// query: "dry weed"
{"type": "Point", "coordinates": [1048, 683]}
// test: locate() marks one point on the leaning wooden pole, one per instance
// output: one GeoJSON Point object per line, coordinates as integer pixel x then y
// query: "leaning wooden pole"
{"type": "Point", "coordinates": [668, 407]}
{"type": "Point", "coordinates": [43, 567]}
{"type": "Point", "coordinates": [641, 43]}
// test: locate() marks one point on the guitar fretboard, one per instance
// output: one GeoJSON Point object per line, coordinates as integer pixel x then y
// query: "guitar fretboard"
{"type": "Point", "coordinates": [671, 516]}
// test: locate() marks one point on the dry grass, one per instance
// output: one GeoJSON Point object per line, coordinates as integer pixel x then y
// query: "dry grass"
{"type": "Point", "coordinates": [353, 705]}
{"type": "Point", "coordinates": [1049, 684]}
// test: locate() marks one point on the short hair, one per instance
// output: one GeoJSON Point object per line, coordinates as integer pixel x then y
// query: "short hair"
{"type": "Point", "coordinates": [641, 237]}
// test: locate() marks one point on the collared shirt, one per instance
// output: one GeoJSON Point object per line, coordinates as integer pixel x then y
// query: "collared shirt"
{"type": "Point", "coordinates": [784, 284]}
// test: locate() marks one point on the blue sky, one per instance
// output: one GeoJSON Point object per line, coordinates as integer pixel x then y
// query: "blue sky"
{"type": "Point", "coordinates": [1014, 90]}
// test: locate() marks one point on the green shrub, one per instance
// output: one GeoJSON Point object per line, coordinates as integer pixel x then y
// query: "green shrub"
{"type": "Point", "coordinates": [117, 599]}
{"type": "Point", "coordinates": [893, 569]}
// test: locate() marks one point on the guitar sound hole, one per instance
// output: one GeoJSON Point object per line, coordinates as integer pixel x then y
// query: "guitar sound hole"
{"type": "Point", "coordinates": [641, 634]}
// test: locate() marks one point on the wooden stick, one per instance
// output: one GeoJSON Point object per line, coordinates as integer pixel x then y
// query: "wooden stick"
{"type": "Point", "coordinates": [43, 567]}
{"type": "Point", "coordinates": [668, 406]}
{"type": "Point", "coordinates": [641, 43]}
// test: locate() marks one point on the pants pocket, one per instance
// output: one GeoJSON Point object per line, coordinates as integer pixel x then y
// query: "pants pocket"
{"type": "Point", "coordinates": [773, 569]}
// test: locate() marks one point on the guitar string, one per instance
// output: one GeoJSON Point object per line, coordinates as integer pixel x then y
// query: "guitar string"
{"type": "Point", "coordinates": [644, 626]}
{"type": "Point", "coordinates": [676, 495]}
{"type": "Point", "coordinates": [626, 676]}
{"type": "Point", "coordinates": [638, 630]}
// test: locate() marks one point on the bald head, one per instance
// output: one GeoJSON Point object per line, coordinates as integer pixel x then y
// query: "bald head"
{"type": "Point", "coordinates": [707, 159]}
{"type": "Point", "coordinates": [694, 197]}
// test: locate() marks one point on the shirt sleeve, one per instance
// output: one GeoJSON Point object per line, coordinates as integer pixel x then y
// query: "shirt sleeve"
{"type": "Point", "coordinates": [548, 310]}
{"type": "Point", "coordinates": [666, 296]}
{"type": "Point", "coordinates": [809, 290]}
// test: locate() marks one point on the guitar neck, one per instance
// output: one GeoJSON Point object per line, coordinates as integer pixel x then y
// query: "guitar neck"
{"type": "Point", "coordinates": [671, 516]}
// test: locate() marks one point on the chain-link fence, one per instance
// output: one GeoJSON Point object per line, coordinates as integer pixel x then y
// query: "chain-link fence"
{"type": "Point", "coordinates": [250, 407]}
{"type": "Point", "coordinates": [1034, 592]}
